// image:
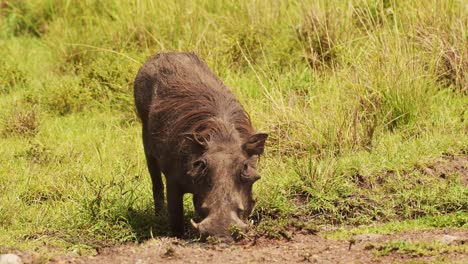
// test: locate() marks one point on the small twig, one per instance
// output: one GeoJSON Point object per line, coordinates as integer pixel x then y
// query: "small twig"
{"type": "Point", "coordinates": [251, 243]}
{"type": "Point", "coordinates": [351, 243]}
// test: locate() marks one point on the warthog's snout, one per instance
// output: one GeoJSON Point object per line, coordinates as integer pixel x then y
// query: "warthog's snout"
{"type": "Point", "coordinates": [220, 228]}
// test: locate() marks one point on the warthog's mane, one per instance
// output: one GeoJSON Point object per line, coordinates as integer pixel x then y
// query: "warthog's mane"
{"type": "Point", "coordinates": [195, 101]}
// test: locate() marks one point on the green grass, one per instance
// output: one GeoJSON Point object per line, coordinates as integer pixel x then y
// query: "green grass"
{"type": "Point", "coordinates": [417, 249]}
{"type": "Point", "coordinates": [458, 220]}
{"type": "Point", "coordinates": [356, 95]}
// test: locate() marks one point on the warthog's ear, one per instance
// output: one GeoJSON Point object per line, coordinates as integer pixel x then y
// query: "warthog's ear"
{"type": "Point", "coordinates": [255, 144]}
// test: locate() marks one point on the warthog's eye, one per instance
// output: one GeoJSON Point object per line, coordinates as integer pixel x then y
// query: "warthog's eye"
{"type": "Point", "coordinates": [249, 175]}
{"type": "Point", "coordinates": [198, 170]}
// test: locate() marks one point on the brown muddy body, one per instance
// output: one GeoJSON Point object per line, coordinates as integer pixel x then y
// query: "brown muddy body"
{"type": "Point", "coordinates": [198, 135]}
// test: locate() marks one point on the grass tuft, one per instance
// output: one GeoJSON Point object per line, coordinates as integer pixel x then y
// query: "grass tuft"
{"type": "Point", "coordinates": [12, 77]}
{"type": "Point", "coordinates": [21, 122]}
{"type": "Point", "coordinates": [318, 39]}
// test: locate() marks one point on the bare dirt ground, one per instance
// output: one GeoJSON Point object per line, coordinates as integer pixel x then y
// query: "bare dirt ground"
{"type": "Point", "coordinates": [300, 249]}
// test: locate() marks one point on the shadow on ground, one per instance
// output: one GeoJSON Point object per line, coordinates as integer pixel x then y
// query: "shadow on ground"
{"type": "Point", "coordinates": [147, 225]}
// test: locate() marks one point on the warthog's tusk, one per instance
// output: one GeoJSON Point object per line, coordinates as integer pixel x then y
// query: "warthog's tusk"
{"type": "Point", "coordinates": [195, 225]}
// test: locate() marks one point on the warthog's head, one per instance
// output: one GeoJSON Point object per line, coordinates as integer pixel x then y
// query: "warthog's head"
{"type": "Point", "coordinates": [223, 175]}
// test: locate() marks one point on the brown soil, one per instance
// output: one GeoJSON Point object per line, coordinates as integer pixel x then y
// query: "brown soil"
{"type": "Point", "coordinates": [449, 165]}
{"type": "Point", "coordinates": [300, 249]}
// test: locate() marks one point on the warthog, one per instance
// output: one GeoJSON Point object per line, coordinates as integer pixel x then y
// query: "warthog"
{"type": "Point", "coordinates": [197, 133]}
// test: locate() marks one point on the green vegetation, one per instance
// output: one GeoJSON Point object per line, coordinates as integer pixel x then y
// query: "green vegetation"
{"type": "Point", "coordinates": [357, 96]}
{"type": "Point", "coordinates": [458, 220]}
{"type": "Point", "coordinates": [416, 249]}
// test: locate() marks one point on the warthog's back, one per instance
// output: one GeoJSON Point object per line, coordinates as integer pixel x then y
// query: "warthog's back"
{"type": "Point", "coordinates": [176, 93]}
{"type": "Point", "coordinates": [164, 72]}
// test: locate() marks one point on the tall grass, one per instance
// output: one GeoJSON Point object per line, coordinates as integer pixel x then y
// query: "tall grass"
{"type": "Point", "coordinates": [354, 94]}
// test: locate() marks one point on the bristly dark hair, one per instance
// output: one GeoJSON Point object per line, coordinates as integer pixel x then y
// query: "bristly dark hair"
{"type": "Point", "coordinates": [195, 101]}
